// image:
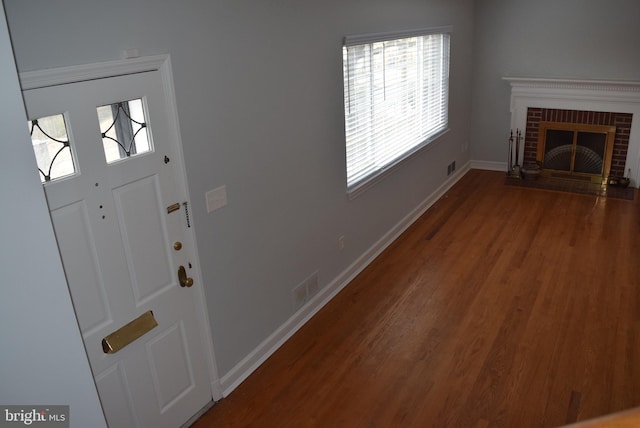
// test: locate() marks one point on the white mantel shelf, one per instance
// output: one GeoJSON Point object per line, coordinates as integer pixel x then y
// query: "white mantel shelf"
{"type": "Point", "coordinates": [588, 84]}
{"type": "Point", "coordinates": [580, 94]}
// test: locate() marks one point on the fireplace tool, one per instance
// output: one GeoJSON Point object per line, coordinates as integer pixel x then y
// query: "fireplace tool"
{"type": "Point", "coordinates": [514, 170]}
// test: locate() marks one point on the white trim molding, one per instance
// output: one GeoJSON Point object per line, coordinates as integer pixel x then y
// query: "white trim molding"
{"type": "Point", "coordinates": [580, 94]}
{"type": "Point", "coordinates": [489, 165]}
{"type": "Point", "coordinates": [83, 72]}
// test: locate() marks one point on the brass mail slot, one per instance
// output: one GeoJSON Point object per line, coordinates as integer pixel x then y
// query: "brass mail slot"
{"type": "Point", "coordinates": [128, 333]}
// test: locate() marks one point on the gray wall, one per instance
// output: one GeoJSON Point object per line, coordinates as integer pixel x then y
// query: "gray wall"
{"type": "Point", "coordinates": [42, 358]}
{"type": "Point", "coordinates": [259, 93]}
{"type": "Point", "coordinates": [592, 39]}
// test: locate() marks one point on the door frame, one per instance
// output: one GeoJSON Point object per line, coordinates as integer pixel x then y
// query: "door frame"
{"type": "Point", "coordinates": [162, 64]}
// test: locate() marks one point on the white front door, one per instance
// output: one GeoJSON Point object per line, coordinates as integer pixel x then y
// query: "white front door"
{"type": "Point", "coordinates": [112, 176]}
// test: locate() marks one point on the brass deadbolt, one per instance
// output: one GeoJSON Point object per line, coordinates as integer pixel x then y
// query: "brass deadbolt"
{"type": "Point", "coordinates": [177, 245]}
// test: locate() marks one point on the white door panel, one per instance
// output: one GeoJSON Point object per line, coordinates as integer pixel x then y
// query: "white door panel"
{"type": "Point", "coordinates": [75, 239]}
{"type": "Point", "coordinates": [145, 241]}
{"type": "Point", "coordinates": [116, 238]}
{"type": "Point", "coordinates": [171, 370]}
{"type": "Point", "coordinates": [116, 399]}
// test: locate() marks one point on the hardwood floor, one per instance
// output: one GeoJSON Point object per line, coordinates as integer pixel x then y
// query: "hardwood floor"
{"type": "Point", "coordinates": [500, 307]}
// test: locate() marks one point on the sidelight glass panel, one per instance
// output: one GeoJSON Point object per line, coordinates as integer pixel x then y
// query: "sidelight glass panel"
{"type": "Point", "coordinates": [52, 148]}
{"type": "Point", "coordinates": [124, 130]}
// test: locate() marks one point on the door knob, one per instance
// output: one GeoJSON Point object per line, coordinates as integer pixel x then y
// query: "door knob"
{"type": "Point", "coordinates": [184, 280]}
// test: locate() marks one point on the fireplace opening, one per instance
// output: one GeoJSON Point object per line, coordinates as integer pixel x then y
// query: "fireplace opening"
{"type": "Point", "coordinates": [575, 150]}
{"type": "Point", "coordinates": [585, 123]}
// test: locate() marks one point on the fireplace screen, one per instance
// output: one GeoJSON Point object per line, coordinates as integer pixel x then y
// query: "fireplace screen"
{"type": "Point", "coordinates": [576, 150]}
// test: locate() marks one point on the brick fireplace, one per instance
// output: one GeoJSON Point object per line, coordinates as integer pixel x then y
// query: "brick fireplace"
{"type": "Point", "coordinates": [621, 122]}
{"type": "Point", "coordinates": [589, 102]}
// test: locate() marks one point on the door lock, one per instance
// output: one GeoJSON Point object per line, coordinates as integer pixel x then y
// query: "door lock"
{"type": "Point", "coordinates": [184, 280]}
{"type": "Point", "coordinates": [177, 245]}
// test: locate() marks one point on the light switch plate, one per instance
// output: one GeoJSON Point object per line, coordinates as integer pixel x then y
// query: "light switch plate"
{"type": "Point", "coordinates": [216, 198]}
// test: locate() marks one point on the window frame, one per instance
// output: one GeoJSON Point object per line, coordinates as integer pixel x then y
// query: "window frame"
{"type": "Point", "coordinates": [358, 186]}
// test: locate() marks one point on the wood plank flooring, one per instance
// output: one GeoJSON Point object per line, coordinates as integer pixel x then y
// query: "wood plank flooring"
{"type": "Point", "coordinates": [500, 307]}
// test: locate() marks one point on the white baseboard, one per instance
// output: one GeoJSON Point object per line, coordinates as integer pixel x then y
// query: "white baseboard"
{"type": "Point", "coordinates": [251, 362]}
{"type": "Point", "coordinates": [489, 165]}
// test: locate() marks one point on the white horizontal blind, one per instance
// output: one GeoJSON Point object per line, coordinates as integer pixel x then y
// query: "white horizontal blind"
{"type": "Point", "coordinates": [395, 98]}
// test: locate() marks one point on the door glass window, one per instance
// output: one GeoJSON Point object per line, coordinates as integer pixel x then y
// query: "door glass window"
{"type": "Point", "coordinates": [124, 130]}
{"type": "Point", "coordinates": [52, 148]}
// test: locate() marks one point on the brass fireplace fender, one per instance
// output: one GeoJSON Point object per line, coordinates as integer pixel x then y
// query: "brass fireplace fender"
{"type": "Point", "coordinates": [609, 130]}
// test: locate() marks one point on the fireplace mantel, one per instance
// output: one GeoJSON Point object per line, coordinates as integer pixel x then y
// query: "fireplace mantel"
{"type": "Point", "coordinates": [537, 83]}
{"type": "Point", "coordinates": [580, 94]}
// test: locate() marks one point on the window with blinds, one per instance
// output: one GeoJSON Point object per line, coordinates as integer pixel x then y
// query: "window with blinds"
{"type": "Point", "coordinates": [396, 91]}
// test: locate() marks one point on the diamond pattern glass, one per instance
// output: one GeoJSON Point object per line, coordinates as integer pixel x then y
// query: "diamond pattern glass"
{"type": "Point", "coordinates": [124, 130]}
{"type": "Point", "coordinates": [52, 148]}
